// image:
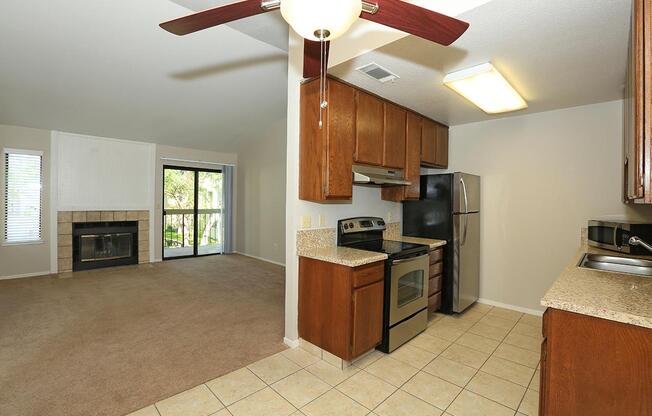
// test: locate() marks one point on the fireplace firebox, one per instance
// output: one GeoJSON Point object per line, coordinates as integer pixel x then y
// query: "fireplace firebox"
{"type": "Point", "coordinates": [104, 244]}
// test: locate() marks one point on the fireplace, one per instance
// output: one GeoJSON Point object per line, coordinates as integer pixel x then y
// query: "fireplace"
{"type": "Point", "coordinates": [104, 244]}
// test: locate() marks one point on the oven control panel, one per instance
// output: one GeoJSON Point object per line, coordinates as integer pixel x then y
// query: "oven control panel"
{"type": "Point", "coordinates": [354, 225]}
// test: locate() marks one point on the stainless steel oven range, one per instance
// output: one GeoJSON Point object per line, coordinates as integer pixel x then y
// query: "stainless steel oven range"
{"type": "Point", "coordinates": [405, 311]}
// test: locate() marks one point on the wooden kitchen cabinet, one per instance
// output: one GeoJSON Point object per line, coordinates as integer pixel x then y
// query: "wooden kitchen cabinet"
{"type": "Point", "coordinates": [359, 127]}
{"type": "Point", "coordinates": [326, 154]}
{"type": "Point", "coordinates": [593, 366]}
{"type": "Point", "coordinates": [434, 145]}
{"type": "Point", "coordinates": [436, 279]}
{"type": "Point", "coordinates": [394, 136]}
{"type": "Point", "coordinates": [369, 125]}
{"type": "Point", "coordinates": [412, 163]}
{"type": "Point", "coordinates": [638, 114]}
{"type": "Point", "coordinates": [429, 143]}
{"type": "Point", "coordinates": [340, 307]}
{"type": "Point", "coordinates": [441, 147]}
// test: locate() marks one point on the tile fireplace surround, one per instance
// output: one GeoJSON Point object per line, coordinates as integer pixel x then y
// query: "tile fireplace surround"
{"type": "Point", "coordinates": [65, 219]}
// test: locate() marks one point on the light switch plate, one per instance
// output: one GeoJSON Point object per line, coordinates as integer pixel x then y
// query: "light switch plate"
{"type": "Point", "coordinates": [322, 220]}
{"type": "Point", "coordinates": [306, 221]}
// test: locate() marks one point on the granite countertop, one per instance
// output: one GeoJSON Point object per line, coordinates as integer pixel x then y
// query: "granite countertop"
{"type": "Point", "coordinates": [432, 243]}
{"type": "Point", "coordinates": [342, 255]}
{"type": "Point", "coordinates": [615, 296]}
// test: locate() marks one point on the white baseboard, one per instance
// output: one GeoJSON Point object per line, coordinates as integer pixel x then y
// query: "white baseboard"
{"type": "Point", "coordinates": [292, 343]}
{"type": "Point", "coordinates": [512, 307]}
{"type": "Point", "coordinates": [20, 276]}
{"type": "Point", "coordinates": [259, 258]}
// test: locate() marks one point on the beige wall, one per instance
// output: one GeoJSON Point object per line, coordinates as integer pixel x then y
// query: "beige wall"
{"type": "Point", "coordinates": [26, 259]}
{"type": "Point", "coordinates": [261, 195]}
{"type": "Point", "coordinates": [180, 156]}
{"type": "Point", "coordinates": [543, 176]}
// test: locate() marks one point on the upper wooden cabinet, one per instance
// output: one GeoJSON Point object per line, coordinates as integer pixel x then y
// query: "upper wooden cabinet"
{"type": "Point", "coordinates": [326, 154]}
{"type": "Point", "coordinates": [369, 124]}
{"type": "Point", "coordinates": [394, 137]}
{"type": "Point", "coordinates": [428, 142]}
{"type": "Point", "coordinates": [434, 145]}
{"type": "Point", "coordinates": [412, 162]}
{"type": "Point", "coordinates": [441, 151]}
{"type": "Point", "coordinates": [638, 113]}
{"type": "Point", "coordinates": [362, 128]}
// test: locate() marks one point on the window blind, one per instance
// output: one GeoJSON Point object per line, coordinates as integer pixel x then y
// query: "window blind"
{"type": "Point", "coordinates": [23, 183]}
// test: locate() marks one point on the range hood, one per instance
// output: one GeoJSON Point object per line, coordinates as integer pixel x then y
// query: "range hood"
{"type": "Point", "coordinates": [368, 175]}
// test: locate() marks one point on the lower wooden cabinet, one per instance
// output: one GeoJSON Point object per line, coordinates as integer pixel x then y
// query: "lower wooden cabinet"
{"type": "Point", "coordinates": [592, 366]}
{"type": "Point", "coordinates": [436, 278]}
{"type": "Point", "coordinates": [340, 307]}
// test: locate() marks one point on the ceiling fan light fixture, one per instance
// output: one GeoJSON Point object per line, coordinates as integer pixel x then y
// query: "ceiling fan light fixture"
{"type": "Point", "coordinates": [321, 19]}
{"type": "Point", "coordinates": [485, 87]}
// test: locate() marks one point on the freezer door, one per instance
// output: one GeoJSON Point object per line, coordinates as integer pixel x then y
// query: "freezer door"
{"type": "Point", "coordinates": [466, 190]}
{"type": "Point", "coordinates": [466, 264]}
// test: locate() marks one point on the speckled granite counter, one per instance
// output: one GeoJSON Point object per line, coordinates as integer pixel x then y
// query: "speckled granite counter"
{"type": "Point", "coordinates": [342, 255]}
{"type": "Point", "coordinates": [614, 296]}
{"type": "Point", "coordinates": [418, 240]}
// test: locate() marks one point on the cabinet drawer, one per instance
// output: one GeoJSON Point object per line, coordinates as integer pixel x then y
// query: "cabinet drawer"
{"type": "Point", "coordinates": [434, 302]}
{"type": "Point", "coordinates": [436, 255]}
{"type": "Point", "coordinates": [368, 274]}
{"type": "Point", "coordinates": [434, 285]}
{"type": "Point", "coordinates": [436, 269]}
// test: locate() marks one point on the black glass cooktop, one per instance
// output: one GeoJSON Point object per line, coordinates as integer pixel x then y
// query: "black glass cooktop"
{"type": "Point", "coordinates": [389, 247]}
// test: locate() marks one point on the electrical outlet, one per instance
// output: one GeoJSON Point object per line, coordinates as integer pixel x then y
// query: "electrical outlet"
{"type": "Point", "coordinates": [389, 216]}
{"type": "Point", "coordinates": [306, 221]}
{"type": "Point", "coordinates": [322, 220]}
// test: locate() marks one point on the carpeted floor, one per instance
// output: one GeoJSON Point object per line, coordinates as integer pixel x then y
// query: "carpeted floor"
{"type": "Point", "coordinates": [108, 342]}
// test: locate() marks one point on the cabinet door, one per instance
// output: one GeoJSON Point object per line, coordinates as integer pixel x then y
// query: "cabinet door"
{"type": "Point", "coordinates": [339, 141]}
{"type": "Point", "coordinates": [369, 129]}
{"type": "Point", "coordinates": [413, 160]}
{"type": "Point", "coordinates": [428, 142]}
{"type": "Point", "coordinates": [367, 318]}
{"type": "Point", "coordinates": [441, 151]}
{"type": "Point", "coordinates": [394, 137]}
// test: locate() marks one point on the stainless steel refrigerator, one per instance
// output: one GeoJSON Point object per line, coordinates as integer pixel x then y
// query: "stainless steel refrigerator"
{"type": "Point", "coordinates": [449, 209]}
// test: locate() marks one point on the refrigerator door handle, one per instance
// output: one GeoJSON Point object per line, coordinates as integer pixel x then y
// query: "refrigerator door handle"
{"type": "Point", "coordinates": [466, 211]}
{"type": "Point", "coordinates": [466, 198]}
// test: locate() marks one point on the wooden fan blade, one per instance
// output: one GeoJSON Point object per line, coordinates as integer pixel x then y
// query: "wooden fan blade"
{"type": "Point", "coordinates": [213, 17]}
{"type": "Point", "coordinates": [311, 58]}
{"type": "Point", "coordinates": [417, 21]}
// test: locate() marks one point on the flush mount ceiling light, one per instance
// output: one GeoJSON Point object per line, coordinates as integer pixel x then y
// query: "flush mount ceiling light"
{"type": "Point", "coordinates": [321, 19]}
{"type": "Point", "coordinates": [485, 87]}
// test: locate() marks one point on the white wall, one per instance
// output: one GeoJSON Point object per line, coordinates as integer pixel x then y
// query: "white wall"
{"type": "Point", "coordinates": [26, 259]}
{"type": "Point", "coordinates": [543, 176]}
{"type": "Point", "coordinates": [96, 173]}
{"type": "Point", "coordinates": [261, 194]}
{"type": "Point", "coordinates": [180, 156]}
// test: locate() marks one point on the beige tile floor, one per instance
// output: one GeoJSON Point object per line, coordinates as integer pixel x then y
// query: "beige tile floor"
{"type": "Point", "coordinates": [482, 362]}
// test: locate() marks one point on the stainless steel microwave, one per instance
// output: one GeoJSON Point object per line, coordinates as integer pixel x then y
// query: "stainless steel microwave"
{"type": "Point", "coordinates": [616, 236]}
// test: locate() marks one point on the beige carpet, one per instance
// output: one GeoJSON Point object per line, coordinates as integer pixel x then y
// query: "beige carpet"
{"type": "Point", "coordinates": [108, 342]}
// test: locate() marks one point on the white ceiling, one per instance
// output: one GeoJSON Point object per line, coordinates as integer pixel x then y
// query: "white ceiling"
{"type": "Point", "coordinates": [105, 68]}
{"type": "Point", "coordinates": [557, 53]}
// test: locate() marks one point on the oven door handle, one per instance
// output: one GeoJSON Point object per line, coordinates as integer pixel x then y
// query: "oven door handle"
{"type": "Point", "coordinates": [399, 261]}
{"type": "Point", "coordinates": [618, 246]}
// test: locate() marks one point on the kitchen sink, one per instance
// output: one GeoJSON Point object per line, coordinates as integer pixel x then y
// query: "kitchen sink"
{"type": "Point", "coordinates": [616, 264]}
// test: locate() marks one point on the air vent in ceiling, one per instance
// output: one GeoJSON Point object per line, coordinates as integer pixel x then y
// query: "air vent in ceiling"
{"type": "Point", "coordinates": [378, 73]}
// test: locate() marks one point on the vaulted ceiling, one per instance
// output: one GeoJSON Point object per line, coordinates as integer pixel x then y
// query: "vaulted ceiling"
{"type": "Point", "coordinates": [105, 67]}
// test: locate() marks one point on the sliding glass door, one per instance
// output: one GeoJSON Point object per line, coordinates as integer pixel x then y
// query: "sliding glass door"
{"type": "Point", "coordinates": [192, 212]}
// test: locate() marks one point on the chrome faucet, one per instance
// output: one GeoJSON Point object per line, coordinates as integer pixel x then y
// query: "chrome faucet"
{"type": "Point", "coordinates": [635, 241]}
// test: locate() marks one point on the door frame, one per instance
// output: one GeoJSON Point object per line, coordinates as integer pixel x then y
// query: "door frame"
{"type": "Point", "coordinates": [195, 214]}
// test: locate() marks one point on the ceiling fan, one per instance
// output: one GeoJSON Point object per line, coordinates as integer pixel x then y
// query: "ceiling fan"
{"type": "Point", "coordinates": [320, 21]}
